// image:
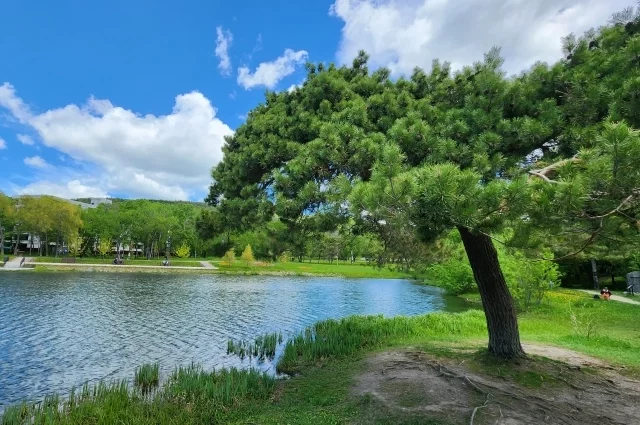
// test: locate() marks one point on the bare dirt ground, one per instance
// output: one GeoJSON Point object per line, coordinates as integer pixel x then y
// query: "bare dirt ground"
{"type": "Point", "coordinates": [413, 387]}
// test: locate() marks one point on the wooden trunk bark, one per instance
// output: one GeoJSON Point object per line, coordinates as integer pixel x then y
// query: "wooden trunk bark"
{"type": "Point", "coordinates": [594, 274]}
{"type": "Point", "coordinates": [499, 310]}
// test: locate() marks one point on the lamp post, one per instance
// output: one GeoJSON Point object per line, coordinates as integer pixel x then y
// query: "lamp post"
{"type": "Point", "coordinates": [168, 252]}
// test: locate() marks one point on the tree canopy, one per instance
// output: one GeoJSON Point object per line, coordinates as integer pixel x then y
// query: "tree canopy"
{"type": "Point", "coordinates": [547, 152]}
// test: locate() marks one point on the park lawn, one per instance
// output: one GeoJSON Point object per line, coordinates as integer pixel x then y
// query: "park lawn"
{"type": "Point", "coordinates": [127, 262]}
{"type": "Point", "coordinates": [357, 270]}
{"type": "Point", "coordinates": [325, 366]}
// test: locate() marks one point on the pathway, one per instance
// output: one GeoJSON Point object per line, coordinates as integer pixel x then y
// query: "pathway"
{"type": "Point", "coordinates": [613, 297]}
{"type": "Point", "coordinates": [208, 265]}
{"type": "Point", "coordinates": [122, 266]}
{"type": "Point", "coordinates": [14, 263]}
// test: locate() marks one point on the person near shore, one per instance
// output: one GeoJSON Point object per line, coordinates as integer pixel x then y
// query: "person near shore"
{"type": "Point", "coordinates": [606, 293]}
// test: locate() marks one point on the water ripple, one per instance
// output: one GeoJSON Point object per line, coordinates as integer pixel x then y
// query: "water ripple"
{"type": "Point", "coordinates": [60, 330]}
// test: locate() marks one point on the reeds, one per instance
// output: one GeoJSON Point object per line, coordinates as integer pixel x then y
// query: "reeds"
{"type": "Point", "coordinates": [263, 347]}
{"type": "Point", "coordinates": [340, 338]}
{"type": "Point", "coordinates": [190, 395]}
{"type": "Point", "coordinates": [147, 377]}
{"type": "Point", "coordinates": [225, 387]}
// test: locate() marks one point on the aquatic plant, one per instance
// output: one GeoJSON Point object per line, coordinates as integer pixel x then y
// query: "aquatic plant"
{"type": "Point", "coordinates": [340, 338]}
{"type": "Point", "coordinates": [224, 387]}
{"type": "Point", "coordinates": [263, 347]}
{"type": "Point", "coordinates": [147, 376]}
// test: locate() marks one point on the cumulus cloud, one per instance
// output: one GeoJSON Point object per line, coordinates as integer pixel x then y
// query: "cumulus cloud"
{"type": "Point", "coordinates": [223, 42]}
{"type": "Point", "coordinates": [73, 189]}
{"type": "Point", "coordinates": [36, 162]}
{"type": "Point", "coordinates": [268, 74]}
{"type": "Point", "coordinates": [403, 34]}
{"type": "Point", "coordinates": [3, 144]}
{"type": "Point", "coordinates": [25, 139]}
{"type": "Point", "coordinates": [166, 156]}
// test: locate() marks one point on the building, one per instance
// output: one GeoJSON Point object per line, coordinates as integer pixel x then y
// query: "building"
{"type": "Point", "coordinates": [93, 202]}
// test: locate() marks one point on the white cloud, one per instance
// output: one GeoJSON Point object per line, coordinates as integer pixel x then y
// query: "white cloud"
{"type": "Point", "coordinates": [73, 189]}
{"type": "Point", "coordinates": [223, 42]}
{"type": "Point", "coordinates": [3, 144]}
{"type": "Point", "coordinates": [166, 156]}
{"type": "Point", "coordinates": [14, 104]}
{"type": "Point", "coordinates": [403, 34]}
{"type": "Point", "coordinates": [268, 74]}
{"type": "Point", "coordinates": [294, 87]}
{"type": "Point", "coordinates": [25, 140]}
{"type": "Point", "coordinates": [36, 162]}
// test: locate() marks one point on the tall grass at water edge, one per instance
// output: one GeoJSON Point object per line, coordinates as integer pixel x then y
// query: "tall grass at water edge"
{"type": "Point", "coordinates": [191, 395]}
{"type": "Point", "coordinates": [147, 376]}
{"type": "Point", "coordinates": [263, 347]}
{"type": "Point", "coordinates": [195, 395]}
{"type": "Point", "coordinates": [341, 338]}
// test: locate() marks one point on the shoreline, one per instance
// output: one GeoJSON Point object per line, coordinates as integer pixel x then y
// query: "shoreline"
{"type": "Point", "coordinates": [40, 267]}
{"type": "Point", "coordinates": [374, 369]}
{"type": "Point", "coordinates": [206, 267]}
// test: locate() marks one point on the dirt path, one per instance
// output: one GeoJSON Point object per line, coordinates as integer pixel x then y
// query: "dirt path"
{"type": "Point", "coordinates": [613, 297]}
{"type": "Point", "coordinates": [413, 387]}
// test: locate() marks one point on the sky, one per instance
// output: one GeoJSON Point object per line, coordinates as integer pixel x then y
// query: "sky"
{"type": "Point", "coordinates": [133, 98]}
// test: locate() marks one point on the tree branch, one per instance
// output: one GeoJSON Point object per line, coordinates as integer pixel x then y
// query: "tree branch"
{"type": "Point", "coordinates": [615, 210]}
{"type": "Point", "coordinates": [543, 173]}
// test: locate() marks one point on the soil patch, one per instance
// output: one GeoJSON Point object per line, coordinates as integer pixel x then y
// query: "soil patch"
{"type": "Point", "coordinates": [414, 387]}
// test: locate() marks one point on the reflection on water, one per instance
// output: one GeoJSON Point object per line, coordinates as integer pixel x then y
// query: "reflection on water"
{"type": "Point", "coordinates": [59, 330]}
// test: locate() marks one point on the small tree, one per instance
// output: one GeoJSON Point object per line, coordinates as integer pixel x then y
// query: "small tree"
{"type": "Point", "coordinates": [104, 247]}
{"type": "Point", "coordinates": [284, 257]}
{"type": "Point", "coordinates": [247, 255]}
{"type": "Point", "coordinates": [74, 245]}
{"type": "Point", "coordinates": [229, 257]}
{"type": "Point", "coordinates": [183, 251]}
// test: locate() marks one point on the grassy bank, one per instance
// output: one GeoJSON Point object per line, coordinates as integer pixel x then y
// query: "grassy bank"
{"type": "Point", "coordinates": [326, 358]}
{"type": "Point", "coordinates": [357, 270]}
{"type": "Point", "coordinates": [130, 262]}
{"type": "Point", "coordinates": [347, 270]}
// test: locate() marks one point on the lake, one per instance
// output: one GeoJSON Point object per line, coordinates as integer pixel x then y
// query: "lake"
{"type": "Point", "coordinates": [59, 330]}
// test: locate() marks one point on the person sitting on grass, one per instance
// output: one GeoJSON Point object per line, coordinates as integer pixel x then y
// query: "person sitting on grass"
{"type": "Point", "coordinates": [606, 293]}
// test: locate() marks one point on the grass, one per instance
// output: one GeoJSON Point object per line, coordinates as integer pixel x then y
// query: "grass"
{"type": "Point", "coordinates": [325, 358]}
{"type": "Point", "coordinates": [147, 376]}
{"type": "Point", "coordinates": [357, 270]}
{"type": "Point", "coordinates": [127, 262]}
{"type": "Point", "coordinates": [344, 269]}
{"type": "Point", "coordinates": [264, 347]}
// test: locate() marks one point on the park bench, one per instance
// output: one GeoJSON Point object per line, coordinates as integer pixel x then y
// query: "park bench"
{"type": "Point", "coordinates": [70, 260]}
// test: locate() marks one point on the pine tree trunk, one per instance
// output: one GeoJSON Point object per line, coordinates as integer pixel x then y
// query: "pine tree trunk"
{"type": "Point", "coordinates": [594, 274]}
{"type": "Point", "coordinates": [502, 323]}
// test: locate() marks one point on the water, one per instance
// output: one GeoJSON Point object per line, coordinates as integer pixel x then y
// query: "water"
{"type": "Point", "coordinates": [59, 330]}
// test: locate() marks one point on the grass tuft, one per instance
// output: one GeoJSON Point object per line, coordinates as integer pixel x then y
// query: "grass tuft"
{"type": "Point", "coordinates": [147, 376]}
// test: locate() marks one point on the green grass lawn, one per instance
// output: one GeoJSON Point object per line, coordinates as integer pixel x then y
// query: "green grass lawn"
{"type": "Point", "coordinates": [328, 356]}
{"type": "Point", "coordinates": [127, 262]}
{"type": "Point", "coordinates": [357, 270]}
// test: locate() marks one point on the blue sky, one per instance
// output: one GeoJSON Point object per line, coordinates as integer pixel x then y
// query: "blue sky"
{"type": "Point", "coordinates": [133, 99]}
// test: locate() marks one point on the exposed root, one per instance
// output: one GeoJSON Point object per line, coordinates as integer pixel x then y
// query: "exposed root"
{"type": "Point", "coordinates": [415, 383]}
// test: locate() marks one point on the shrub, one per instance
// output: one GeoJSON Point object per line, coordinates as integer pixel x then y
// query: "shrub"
{"type": "Point", "coordinates": [183, 251]}
{"type": "Point", "coordinates": [229, 257]}
{"type": "Point", "coordinates": [247, 255]}
{"type": "Point", "coordinates": [285, 257]}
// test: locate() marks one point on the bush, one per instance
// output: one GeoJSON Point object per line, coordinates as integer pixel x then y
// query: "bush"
{"type": "Point", "coordinates": [229, 257]}
{"type": "Point", "coordinates": [285, 257]}
{"type": "Point", "coordinates": [183, 251]}
{"type": "Point", "coordinates": [247, 255]}
{"type": "Point", "coordinates": [528, 279]}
